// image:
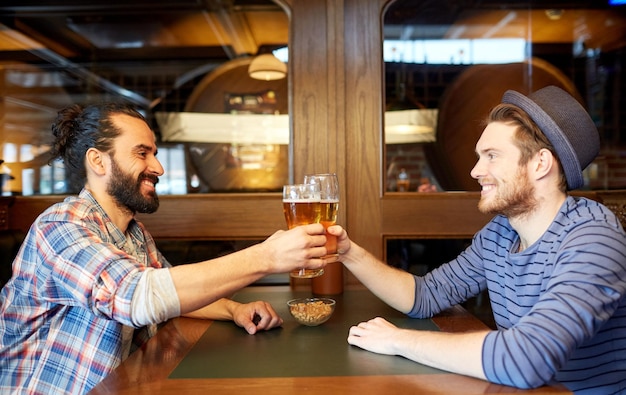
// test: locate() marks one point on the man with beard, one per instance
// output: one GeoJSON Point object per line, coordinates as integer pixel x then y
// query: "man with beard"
{"type": "Point", "coordinates": [554, 265]}
{"type": "Point", "coordinates": [88, 274]}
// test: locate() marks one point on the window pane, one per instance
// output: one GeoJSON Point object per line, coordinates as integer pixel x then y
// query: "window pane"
{"type": "Point", "coordinates": [458, 61]}
{"type": "Point", "coordinates": [162, 58]}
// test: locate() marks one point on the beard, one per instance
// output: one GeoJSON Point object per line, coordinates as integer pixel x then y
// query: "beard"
{"type": "Point", "coordinates": [511, 199]}
{"type": "Point", "coordinates": [126, 191]}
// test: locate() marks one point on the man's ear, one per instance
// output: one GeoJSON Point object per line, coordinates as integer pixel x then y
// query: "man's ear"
{"type": "Point", "coordinates": [96, 161]}
{"type": "Point", "coordinates": [545, 163]}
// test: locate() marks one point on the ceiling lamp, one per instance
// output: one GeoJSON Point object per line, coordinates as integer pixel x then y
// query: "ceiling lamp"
{"type": "Point", "coordinates": [267, 67]}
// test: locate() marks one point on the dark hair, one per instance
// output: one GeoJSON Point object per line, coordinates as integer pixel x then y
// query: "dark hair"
{"type": "Point", "coordinates": [528, 136]}
{"type": "Point", "coordinates": [78, 128]}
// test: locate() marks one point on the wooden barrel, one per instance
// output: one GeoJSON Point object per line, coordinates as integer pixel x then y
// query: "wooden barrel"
{"type": "Point", "coordinates": [213, 163]}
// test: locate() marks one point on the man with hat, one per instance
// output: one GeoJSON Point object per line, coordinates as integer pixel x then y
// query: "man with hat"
{"type": "Point", "coordinates": [554, 265]}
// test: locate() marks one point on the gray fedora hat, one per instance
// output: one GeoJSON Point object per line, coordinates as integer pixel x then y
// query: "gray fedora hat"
{"type": "Point", "coordinates": [567, 125]}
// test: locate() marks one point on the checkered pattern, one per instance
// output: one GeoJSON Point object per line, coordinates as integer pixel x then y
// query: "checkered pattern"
{"type": "Point", "coordinates": [62, 313]}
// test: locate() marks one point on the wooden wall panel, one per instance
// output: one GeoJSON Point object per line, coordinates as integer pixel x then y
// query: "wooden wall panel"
{"type": "Point", "coordinates": [432, 215]}
{"type": "Point", "coordinates": [363, 122]}
{"type": "Point", "coordinates": [187, 217]}
{"type": "Point", "coordinates": [309, 88]}
{"type": "Point", "coordinates": [317, 92]}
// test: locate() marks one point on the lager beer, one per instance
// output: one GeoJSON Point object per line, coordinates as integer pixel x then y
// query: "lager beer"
{"type": "Point", "coordinates": [301, 212]}
{"type": "Point", "coordinates": [328, 217]}
{"type": "Point", "coordinates": [331, 283]}
{"type": "Point", "coordinates": [301, 206]}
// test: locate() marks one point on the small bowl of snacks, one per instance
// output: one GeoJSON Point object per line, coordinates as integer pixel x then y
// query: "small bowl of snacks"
{"type": "Point", "coordinates": [311, 311]}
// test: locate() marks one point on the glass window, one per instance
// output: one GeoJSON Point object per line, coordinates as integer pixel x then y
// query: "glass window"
{"type": "Point", "coordinates": [447, 64]}
{"type": "Point", "coordinates": [184, 65]}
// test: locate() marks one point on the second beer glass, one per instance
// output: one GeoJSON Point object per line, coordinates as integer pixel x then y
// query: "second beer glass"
{"type": "Point", "coordinates": [329, 203]}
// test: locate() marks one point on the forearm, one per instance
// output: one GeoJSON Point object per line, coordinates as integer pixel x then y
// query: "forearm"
{"type": "Point", "coordinates": [394, 286]}
{"type": "Point", "coordinates": [253, 316]}
{"type": "Point", "coordinates": [203, 283]}
{"type": "Point", "coordinates": [222, 310]}
{"type": "Point", "coordinates": [454, 352]}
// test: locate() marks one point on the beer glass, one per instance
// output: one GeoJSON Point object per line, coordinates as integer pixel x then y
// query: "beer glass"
{"type": "Point", "coordinates": [301, 206]}
{"type": "Point", "coordinates": [329, 203]}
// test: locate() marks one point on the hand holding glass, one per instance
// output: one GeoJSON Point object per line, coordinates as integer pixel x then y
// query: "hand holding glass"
{"type": "Point", "coordinates": [329, 204]}
{"type": "Point", "coordinates": [301, 206]}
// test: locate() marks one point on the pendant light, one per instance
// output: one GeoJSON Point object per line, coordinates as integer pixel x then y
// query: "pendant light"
{"type": "Point", "coordinates": [267, 67]}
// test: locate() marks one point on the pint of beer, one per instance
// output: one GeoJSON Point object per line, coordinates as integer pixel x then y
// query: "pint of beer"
{"type": "Point", "coordinates": [329, 198]}
{"type": "Point", "coordinates": [331, 283]}
{"type": "Point", "coordinates": [301, 206]}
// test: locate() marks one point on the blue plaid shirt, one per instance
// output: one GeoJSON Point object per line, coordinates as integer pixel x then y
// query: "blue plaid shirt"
{"type": "Point", "coordinates": [62, 312]}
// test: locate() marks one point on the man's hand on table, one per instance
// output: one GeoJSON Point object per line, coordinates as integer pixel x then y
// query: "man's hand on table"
{"type": "Point", "coordinates": [256, 316]}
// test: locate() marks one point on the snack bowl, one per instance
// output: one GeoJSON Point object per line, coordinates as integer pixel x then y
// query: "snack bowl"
{"type": "Point", "coordinates": [311, 311]}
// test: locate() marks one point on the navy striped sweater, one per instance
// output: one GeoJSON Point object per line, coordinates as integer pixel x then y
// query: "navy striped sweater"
{"type": "Point", "coordinates": [559, 305]}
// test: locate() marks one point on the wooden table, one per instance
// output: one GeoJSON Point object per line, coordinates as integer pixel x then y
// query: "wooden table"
{"type": "Point", "coordinates": [191, 356]}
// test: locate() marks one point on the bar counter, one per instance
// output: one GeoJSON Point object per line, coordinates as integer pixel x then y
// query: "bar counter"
{"type": "Point", "coordinates": [189, 356]}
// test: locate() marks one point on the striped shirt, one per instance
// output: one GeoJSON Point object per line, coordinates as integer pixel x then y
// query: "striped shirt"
{"type": "Point", "coordinates": [63, 312]}
{"type": "Point", "coordinates": [559, 305]}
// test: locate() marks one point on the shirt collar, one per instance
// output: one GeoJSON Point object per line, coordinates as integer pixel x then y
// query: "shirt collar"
{"type": "Point", "coordinates": [118, 237]}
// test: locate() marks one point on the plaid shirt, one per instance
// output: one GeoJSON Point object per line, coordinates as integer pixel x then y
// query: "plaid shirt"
{"type": "Point", "coordinates": [62, 312]}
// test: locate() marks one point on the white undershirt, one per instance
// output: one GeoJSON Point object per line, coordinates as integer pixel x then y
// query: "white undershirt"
{"type": "Point", "coordinates": [154, 301]}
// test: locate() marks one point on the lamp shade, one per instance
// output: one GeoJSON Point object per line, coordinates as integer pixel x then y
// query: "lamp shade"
{"type": "Point", "coordinates": [267, 67]}
{"type": "Point", "coordinates": [410, 126]}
